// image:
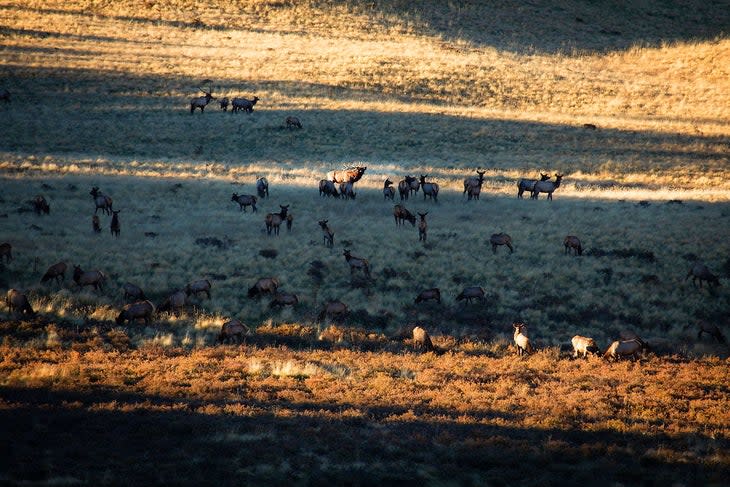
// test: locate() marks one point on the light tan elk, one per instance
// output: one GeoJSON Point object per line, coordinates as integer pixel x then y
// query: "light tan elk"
{"type": "Point", "coordinates": [201, 101]}
{"type": "Point", "coordinates": [429, 189]}
{"type": "Point", "coordinates": [133, 292]}
{"type": "Point", "coordinates": [529, 184]}
{"type": "Point", "coordinates": [273, 220]}
{"type": "Point", "coordinates": [421, 340]}
{"type": "Point", "coordinates": [623, 349]}
{"type": "Point", "coordinates": [96, 224]}
{"type": "Point", "coordinates": [546, 187]}
{"type": "Point", "coordinates": [472, 292]}
{"type": "Point", "coordinates": [709, 328]}
{"type": "Point", "coordinates": [428, 295]}
{"type": "Point", "coordinates": [583, 345]}
{"type": "Point", "coordinates": [405, 186]}
{"type": "Point", "coordinates": [174, 303]}
{"type": "Point", "coordinates": [357, 263]}
{"type": "Point", "coordinates": [401, 214]}
{"type": "Point", "coordinates": [244, 200]}
{"type": "Point", "coordinates": [498, 239]}
{"type": "Point", "coordinates": [474, 181]}
{"type": "Point", "coordinates": [233, 330]}
{"type": "Point", "coordinates": [101, 201]}
{"type": "Point", "coordinates": [572, 243]}
{"type": "Point", "coordinates": [40, 205]}
{"type": "Point", "coordinates": [56, 271]}
{"type": "Point", "coordinates": [282, 298]}
{"type": "Point", "coordinates": [388, 191]}
{"type": "Point", "coordinates": [328, 188]}
{"type": "Point", "coordinates": [17, 301]}
{"type": "Point", "coordinates": [136, 311]}
{"type": "Point", "coordinates": [6, 252]}
{"type": "Point", "coordinates": [89, 278]}
{"type": "Point", "coordinates": [292, 123]}
{"type": "Point", "coordinates": [243, 104]}
{"type": "Point", "coordinates": [115, 226]}
{"type": "Point", "coordinates": [699, 271]}
{"type": "Point", "coordinates": [262, 187]}
{"type": "Point", "coordinates": [350, 175]}
{"type": "Point", "coordinates": [333, 309]}
{"type": "Point", "coordinates": [197, 287]}
{"type": "Point", "coordinates": [265, 285]}
{"type": "Point", "coordinates": [327, 234]}
{"type": "Point", "coordinates": [523, 343]}
{"type": "Point", "coordinates": [422, 227]}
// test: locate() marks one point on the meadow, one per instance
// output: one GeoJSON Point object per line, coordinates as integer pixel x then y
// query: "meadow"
{"type": "Point", "coordinates": [100, 95]}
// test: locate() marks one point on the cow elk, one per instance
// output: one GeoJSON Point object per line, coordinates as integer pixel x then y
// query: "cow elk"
{"type": "Point", "coordinates": [6, 252]}
{"type": "Point", "coordinates": [333, 309]}
{"type": "Point", "coordinates": [197, 287]}
{"type": "Point", "coordinates": [472, 292]}
{"type": "Point", "coordinates": [429, 189]}
{"type": "Point", "coordinates": [572, 243]}
{"type": "Point", "coordinates": [583, 345]}
{"type": "Point", "coordinates": [498, 239]}
{"type": "Point", "coordinates": [327, 234]}
{"type": "Point", "coordinates": [115, 226]}
{"type": "Point", "coordinates": [233, 330]}
{"type": "Point", "coordinates": [292, 123]}
{"type": "Point", "coordinates": [56, 271]}
{"type": "Point", "coordinates": [40, 205]}
{"type": "Point", "coordinates": [327, 188]}
{"type": "Point", "coordinates": [473, 184]}
{"type": "Point", "coordinates": [401, 214]}
{"type": "Point", "coordinates": [282, 298]}
{"type": "Point", "coordinates": [244, 200]}
{"type": "Point", "coordinates": [273, 220]}
{"type": "Point", "coordinates": [243, 104]}
{"type": "Point", "coordinates": [174, 303]}
{"type": "Point", "coordinates": [136, 311]}
{"type": "Point", "coordinates": [623, 349]}
{"type": "Point", "coordinates": [265, 285]}
{"type": "Point", "coordinates": [357, 263]}
{"type": "Point", "coordinates": [433, 294]}
{"type": "Point", "coordinates": [262, 187]}
{"type": "Point", "coordinates": [17, 301]}
{"type": "Point", "coordinates": [529, 184]}
{"type": "Point", "coordinates": [523, 343]}
{"type": "Point", "coordinates": [89, 278]}
{"type": "Point", "coordinates": [421, 340]}
{"type": "Point", "coordinates": [347, 190]}
{"type": "Point", "coordinates": [422, 227]}
{"type": "Point", "coordinates": [388, 191]}
{"type": "Point", "coordinates": [405, 186]}
{"type": "Point", "coordinates": [700, 272]}
{"type": "Point", "coordinates": [133, 292]}
{"type": "Point", "coordinates": [546, 187]}
{"type": "Point", "coordinates": [101, 201]}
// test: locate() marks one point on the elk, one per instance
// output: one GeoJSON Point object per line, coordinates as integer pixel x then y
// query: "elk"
{"type": "Point", "coordinates": [289, 222]}
{"type": "Point", "coordinates": [401, 214]}
{"type": "Point", "coordinates": [474, 191]}
{"type": "Point", "coordinates": [5, 95]}
{"type": "Point", "coordinates": [573, 242]}
{"type": "Point", "coordinates": [197, 287]}
{"type": "Point", "coordinates": [388, 191]}
{"type": "Point", "coordinates": [328, 188]}
{"type": "Point", "coordinates": [40, 205]}
{"type": "Point", "coordinates": [347, 190]}
{"type": "Point", "coordinates": [357, 263]}
{"type": "Point", "coordinates": [429, 294]}
{"type": "Point", "coordinates": [89, 278]}
{"type": "Point", "coordinates": [327, 234]}
{"type": "Point", "coordinates": [101, 201]}
{"type": "Point", "coordinates": [262, 187]}
{"type": "Point", "coordinates": [244, 200]}
{"type": "Point", "coordinates": [244, 104]}
{"type": "Point", "coordinates": [135, 311]}
{"type": "Point", "coordinates": [350, 175]}
{"type": "Point", "coordinates": [96, 224]}
{"type": "Point", "coordinates": [583, 345]}
{"type": "Point", "coordinates": [523, 343]}
{"type": "Point", "coordinates": [265, 285]}
{"type": "Point", "coordinates": [6, 252]}
{"type": "Point", "coordinates": [626, 335]}
{"type": "Point", "coordinates": [273, 220]}
{"type": "Point", "coordinates": [472, 292]}
{"type": "Point", "coordinates": [233, 330]}
{"type": "Point", "coordinates": [56, 271]}
{"type": "Point", "coordinates": [422, 227]}
{"type": "Point", "coordinates": [474, 181]}
{"type": "Point", "coordinates": [282, 298]}
{"type": "Point", "coordinates": [624, 348]}
{"type": "Point", "coordinates": [293, 122]}
{"type": "Point", "coordinates": [546, 187]}
{"type": "Point", "coordinates": [18, 301]}
{"type": "Point", "coordinates": [498, 239]}
{"type": "Point", "coordinates": [699, 271]}
{"type": "Point", "coordinates": [421, 340]}
{"type": "Point", "coordinates": [115, 227]}
{"type": "Point", "coordinates": [174, 303]}
{"type": "Point", "coordinates": [201, 101]}
{"type": "Point", "coordinates": [709, 328]}
{"type": "Point", "coordinates": [334, 309]}
{"type": "Point", "coordinates": [404, 187]}
{"type": "Point", "coordinates": [224, 104]}
{"type": "Point", "coordinates": [132, 291]}
{"type": "Point", "coordinates": [529, 184]}
{"type": "Point", "coordinates": [429, 189]}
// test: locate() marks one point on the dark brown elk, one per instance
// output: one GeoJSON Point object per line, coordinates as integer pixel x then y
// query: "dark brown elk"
{"type": "Point", "coordinates": [709, 328]}
{"type": "Point", "coordinates": [388, 191]}
{"type": "Point", "coordinates": [265, 285]}
{"type": "Point", "coordinates": [572, 243]}
{"type": "Point", "coordinates": [174, 303]}
{"type": "Point", "coordinates": [357, 263]}
{"type": "Point", "coordinates": [40, 205]}
{"type": "Point", "coordinates": [421, 340]}
{"type": "Point", "coordinates": [89, 278]}
{"type": "Point", "coordinates": [429, 189]}
{"type": "Point", "coordinates": [115, 226]}
{"type": "Point", "coordinates": [292, 123]}
{"type": "Point", "coordinates": [474, 181]}
{"type": "Point", "coordinates": [133, 292]}
{"type": "Point", "coordinates": [529, 184]}
{"type": "Point", "coordinates": [233, 330]}
{"type": "Point", "coordinates": [197, 287]}
{"type": "Point", "coordinates": [244, 200]}
{"type": "Point", "coordinates": [273, 220]}
{"type": "Point", "coordinates": [583, 345]}
{"type": "Point", "coordinates": [347, 190]}
{"type": "Point", "coordinates": [201, 101]}
{"type": "Point", "coordinates": [136, 311]}
{"type": "Point", "coordinates": [350, 175]}
{"type": "Point", "coordinates": [422, 227]}
{"type": "Point", "coordinates": [699, 271]}
{"type": "Point", "coordinates": [262, 187]}
{"type": "Point", "coordinates": [96, 224]}
{"type": "Point", "coordinates": [327, 234]}
{"type": "Point", "coordinates": [101, 201]}
{"type": "Point", "coordinates": [523, 343]}
{"type": "Point", "coordinates": [6, 252]}
{"type": "Point", "coordinates": [498, 239]}
{"type": "Point", "coordinates": [401, 214]}
{"type": "Point", "coordinates": [333, 309]}
{"type": "Point", "coordinates": [404, 186]}
{"type": "Point", "coordinates": [224, 104]}
{"type": "Point", "coordinates": [428, 295]}
{"type": "Point", "coordinates": [472, 292]}
{"type": "Point", "coordinates": [546, 187]}
{"type": "Point", "coordinates": [56, 271]}
{"type": "Point", "coordinates": [282, 298]}
{"type": "Point", "coordinates": [18, 302]}
{"type": "Point", "coordinates": [243, 104]}
{"type": "Point", "coordinates": [328, 188]}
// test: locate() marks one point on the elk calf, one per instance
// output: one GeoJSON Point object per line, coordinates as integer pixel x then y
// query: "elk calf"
{"type": "Point", "coordinates": [583, 345]}
{"type": "Point", "coordinates": [224, 104]}
{"type": "Point", "coordinates": [429, 294]}
{"type": "Point", "coordinates": [233, 330]}
{"type": "Point", "coordinates": [327, 234]}
{"type": "Point", "coordinates": [388, 191]}
{"type": "Point", "coordinates": [115, 226]}
{"type": "Point", "coordinates": [421, 340]}
{"type": "Point", "coordinates": [56, 271]}
{"type": "Point", "coordinates": [498, 239]}
{"type": "Point", "coordinates": [96, 224]}
{"type": "Point", "coordinates": [357, 263]}
{"type": "Point", "coordinates": [243, 201]}
{"type": "Point", "coordinates": [18, 301]}
{"type": "Point", "coordinates": [571, 242]}
{"type": "Point", "coordinates": [135, 311]}
{"type": "Point", "coordinates": [6, 252]}
{"type": "Point", "coordinates": [422, 227]}
{"type": "Point", "coordinates": [523, 343]}
{"type": "Point", "coordinates": [265, 285]}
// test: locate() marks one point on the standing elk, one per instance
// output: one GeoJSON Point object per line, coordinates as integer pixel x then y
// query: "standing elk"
{"type": "Point", "coordinates": [273, 220]}
{"type": "Point", "coordinates": [40, 205]}
{"type": "Point", "coordinates": [347, 190]}
{"type": "Point", "coordinates": [422, 227]}
{"type": "Point", "coordinates": [197, 287]}
{"type": "Point", "coordinates": [262, 187]}
{"type": "Point", "coordinates": [56, 271]}
{"type": "Point", "coordinates": [174, 303]}
{"type": "Point", "coordinates": [546, 187]}
{"type": "Point", "coordinates": [89, 278]}
{"type": "Point", "coordinates": [474, 181]}
{"type": "Point", "coordinates": [571, 242]}
{"type": "Point", "coordinates": [523, 343]}
{"type": "Point", "coordinates": [135, 311]}
{"type": "Point", "coordinates": [244, 200]}
{"type": "Point", "coordinates": [327, 234]}
{"type": "Point", "coordinates": [238, 104]}
{"type": "Point", "coordinates": [405, 186]}
{"type": "Point", "coordinates": [474, 191]}
{"type": "Point", "coordinates": [529, 184]}
{"type": "Point", "coordinates": [282, 298]}
{"type": "Point", "coordinates": [101, 201]}
{"type": "Point", "coordinates": [498, 239]}
{"type": "Point", "coordinates": [429, 189]}
{"type": "Point", "coordinates": [293, 122]}
{"type": "Point", "coordinates": [421, 340]}
{"type": "Point", "coordinates": [289, 221]}
{"type": "Point", "coordinates": [6, 252]}
{"type": "Point", "coordinates": [133, 292]}
{"type": "Point", "coordinates": [115, 226]}
{"type": "Point", "coordinates": [233, 330]}
{"type": "Point", "coordinates": [224, 104]}
{"type": "Point", "coordinates": [699, 271]}
{"type": "Point", "coordinates": [388, 191]}
{"type": "Point", "coordinates": [472, 292]}
{"type": "Point", "coordinates": [357, 263]}
{"type": "Point", "coordinates": [583, 345]}
{"type": "Point", "coordinates": [96, 224]}
{"type": "Point", "coordinates": [201, 101]}
{"type": "Point", "coordinates": [333, 309]}
{"type": "Point", "coordinates": [327, 188]}
{"type": "Point", "coordinates": [350, 175]}
{"type": "Point", "coordinates": [18, 301]}
{"type": "Point", "coordinates": [429, 294]}
{"type": "Point", "coordinates": [401, 214]}
{"type": "Point", "coordinates": [265, 285]}
{"type": "Point", "coordinates": [709, 328]}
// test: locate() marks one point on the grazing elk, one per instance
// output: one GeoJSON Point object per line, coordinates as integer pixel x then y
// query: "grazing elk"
{"type": "Point", "coordinates": [583, 345]}
{"type": "Point", "coordinates": [347, 190]}
{"type": "Point", "coordinates": [282, 298]}
{"type": "Point", "coordinates": [197, 287]}
{"type": "Point", "coordinates": [244, 200]}
{"type": "Point", "coordinates": [135, 311]}
{"type": "Point", "coordinates": [388, 191]}
{"type": "Point", "coordinates": [273, 220]}
{"type": "Point", "coordinates": [571, 242]}
{"type": "Point", "coordinates": [546, 187]}
{"type": "Point", "coordinates": [18, 301]}
{"type": "Point", "coordinates": [709, 328]}
{"type": "Point", "coordinates": [293, 122]}
{"type": "Point", "coordinates": [623, 349]}
{"type": "Point", "coordinates": [328, 188]}
{"type": "Point", "coordinates": [401, 214]}
{"type": "Point", "coordinates": [428, 295]}
{"type": "Point", "coordinates": [56, 271]}
{"type": "Point", "coordinates": [498, 239]}
{"type": "Point", "coordinates": [89, 278]}
{"type": "Point", "coordinates": [133, 292]}
{"type": "Point", "coordinates": [529, 184]}
{"type": "Point", "coordinates": [265, 285]}
{"type": "Point", "coordinates": [523, 343]}
{"type": "Point", "coordinates": [699, 271]}
{"type": "Point", "coordinates": [327, 234]}
{"type": "Point", "coordinates": [333, 309]}
{"type": "Point", "coordinates": [357, 263]}
{"type": "Point", "coordinates": [115, 226]}
{"type": "Point", "coordinates": [422, 227]}
{"type": "Point", "coordinates": [421, 340]}
{"type": "Point", "coordinates": [6, 252]}
{"type": "Point", "coordinates": [262, 187]}
{"type": "Point", "coordinates": [174, 303]}
{"type": "Point", "coordinates": [405, 186]}
{"type": "Point", "coordinates": [5, 95]}
{"type": "Point", "coordinates": [224, 103]}
{"type": "Point", "coordinates": [40, 205]}
{"type": "Point", "coordinates": [201, 101]}
{"type": "Point", "coordinates": [474, 181]}
{"type": "Point", "coordinates": [238, 104]}
{"type": "Point", "coordinates": [350, 175]}
{"type": "Point", "coordinates": [429, 189]}
{"type": "Point", "coordinates": [96, 224]}
{"type": "Point", "coordinates": [233, 330]}
{"type": "Point", "coordinates": [101, 201]}
{"type": "Point", "coordinates": [472, 292]}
